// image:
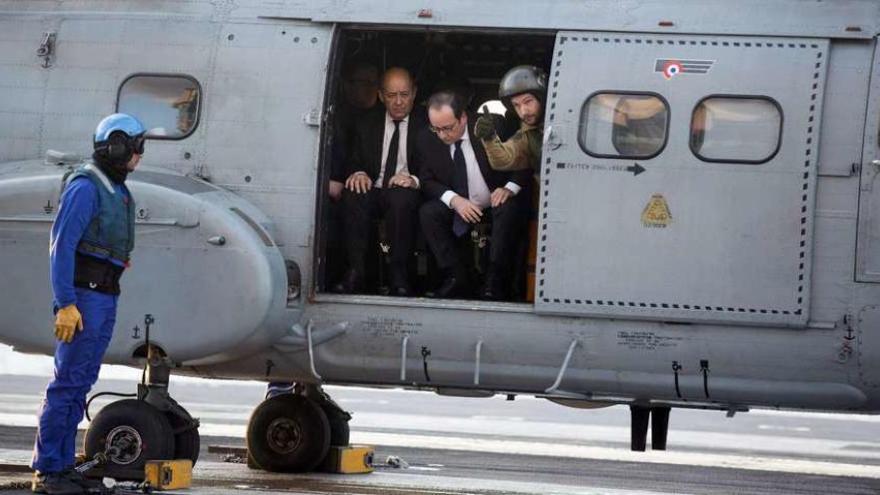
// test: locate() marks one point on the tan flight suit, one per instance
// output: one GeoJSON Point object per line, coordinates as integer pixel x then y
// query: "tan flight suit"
{"type": "Point", "coordinates": [521, 151]}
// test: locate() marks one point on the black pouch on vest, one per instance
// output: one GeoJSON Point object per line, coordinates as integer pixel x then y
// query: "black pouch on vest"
{"type": "Point", "coordinates": [96, 274]}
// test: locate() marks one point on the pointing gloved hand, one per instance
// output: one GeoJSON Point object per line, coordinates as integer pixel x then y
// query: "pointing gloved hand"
{"type": "Point", "coordinates": [486, 125]}
{"type": "Point", "coordinates": [67, 321]}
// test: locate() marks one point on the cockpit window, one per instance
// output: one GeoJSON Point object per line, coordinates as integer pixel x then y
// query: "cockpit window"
{"type": "Point", "coordinates": [736, 129]}
{"type": "Point", "coordinates": [624, 125]}
{"type": "Point", "coordinates": [168, 105]}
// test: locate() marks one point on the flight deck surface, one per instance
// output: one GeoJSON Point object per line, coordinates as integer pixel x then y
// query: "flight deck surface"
{"type": "Point", "coordinates": [528, 446]}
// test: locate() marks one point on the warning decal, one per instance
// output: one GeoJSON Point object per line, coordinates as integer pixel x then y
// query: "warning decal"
{"type": "Point", "coordinates": [656, 213]}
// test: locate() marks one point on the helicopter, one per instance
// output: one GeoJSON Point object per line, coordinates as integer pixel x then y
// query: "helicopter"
{"type": "Point", "coordinates": [706, 234]}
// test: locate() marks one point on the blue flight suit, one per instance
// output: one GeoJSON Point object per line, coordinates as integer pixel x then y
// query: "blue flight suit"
{"type": "Point", "coordinates": [76, 363]}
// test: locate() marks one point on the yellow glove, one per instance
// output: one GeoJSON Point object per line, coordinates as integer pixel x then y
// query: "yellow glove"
{"type": "Point", "coordinates": [67, 321]}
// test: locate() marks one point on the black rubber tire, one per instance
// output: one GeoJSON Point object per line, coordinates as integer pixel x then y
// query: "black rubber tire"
{"type": "Point", "coordinates": [130, 415]}
{"type": "Point", "coordinates": [308, 442]}
{"type": "Point", "coordinates": [187, 443]}
{"type": "Point", "coordinates": [339, 430]}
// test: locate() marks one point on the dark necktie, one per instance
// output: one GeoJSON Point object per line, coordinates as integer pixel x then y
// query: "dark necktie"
{"type": "Point", "coordinates": [391, 159]}
{"type": "Point", "coordinates": [460, 187]}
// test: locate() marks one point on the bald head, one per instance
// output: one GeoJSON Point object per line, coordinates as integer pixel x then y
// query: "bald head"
{"type": "Point", "coordinates": [398, 92]}
{"type": "Point", "coordinates": [396, 75]}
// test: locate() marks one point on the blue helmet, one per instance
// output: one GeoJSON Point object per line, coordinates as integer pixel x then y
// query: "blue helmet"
{"type": "Point", "coordinates": [131, 126]}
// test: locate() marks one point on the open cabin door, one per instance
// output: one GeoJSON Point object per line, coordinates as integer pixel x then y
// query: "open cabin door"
{"type": "Point", "coordinates": [678, 177]}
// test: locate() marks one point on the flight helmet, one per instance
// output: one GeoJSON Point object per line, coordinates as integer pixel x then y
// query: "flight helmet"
{"type": "Point", "coordinates": [118, 137]}
{"type": "Point", "coordinates": [523, 79]}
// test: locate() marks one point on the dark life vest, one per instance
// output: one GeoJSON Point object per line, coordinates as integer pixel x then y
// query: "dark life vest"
{"type": "Point", "coordinates": [111, 232]}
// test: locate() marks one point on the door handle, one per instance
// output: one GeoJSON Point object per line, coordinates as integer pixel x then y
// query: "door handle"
{"type": "Point", "coordinates": [868, 181]}
{"type": "Point", "coordinates": [551, 137]}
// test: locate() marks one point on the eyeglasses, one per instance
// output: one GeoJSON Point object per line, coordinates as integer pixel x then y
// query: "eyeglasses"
{"type": "Point", "coordinates": [403, 95]}
{"type": "Point", "coordinates": [445, 129]}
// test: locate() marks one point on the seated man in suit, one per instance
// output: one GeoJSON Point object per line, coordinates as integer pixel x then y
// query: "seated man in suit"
{"type": "Point", "coordinates": [381, 182]}
{"type": "Point", "coordinates": [463, 189]}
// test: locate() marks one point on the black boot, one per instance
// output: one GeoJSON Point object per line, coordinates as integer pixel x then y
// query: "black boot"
{"type": "Point", "coordinates": [399, 285]}
{"type": "Point", "coordinates": [351, 282]}
{"type": "Point", "coordinates": [55, 484]}
{"type": "Point", "coordinates": [493, 290]}
{"type": "Point", "coordinates": [454, 285]}
{"type": "Point", "coordinates": [88, 484]}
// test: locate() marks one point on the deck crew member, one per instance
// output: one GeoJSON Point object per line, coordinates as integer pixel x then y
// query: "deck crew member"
{"type": "Point", "coordinates": [91, 241]}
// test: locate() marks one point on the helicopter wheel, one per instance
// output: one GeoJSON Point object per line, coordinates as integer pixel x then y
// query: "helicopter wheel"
{"type": "Point", "coordinates": [288, 433]}
{"type": "Point", "coordinates": [136, 432]}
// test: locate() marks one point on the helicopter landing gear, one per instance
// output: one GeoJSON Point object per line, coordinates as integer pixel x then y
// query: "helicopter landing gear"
{"type": "Point", "coordinates": [153, 426]}
{"type": "Point", "coordinates": [639, 415]}
{"type": "Point", "coordinates": [293, 432]}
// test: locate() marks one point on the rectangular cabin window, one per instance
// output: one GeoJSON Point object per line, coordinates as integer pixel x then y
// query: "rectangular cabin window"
{"type": "Point", "coordinates": [168, 105]}
{"type": "Point", "coordinates": [736, 129]}
{"type": "Point", "coordinates": [623, 125]}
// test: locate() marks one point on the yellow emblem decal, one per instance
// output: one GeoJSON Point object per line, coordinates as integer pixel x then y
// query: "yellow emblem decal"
{"type": "Point", "coordinates": [656, 213]}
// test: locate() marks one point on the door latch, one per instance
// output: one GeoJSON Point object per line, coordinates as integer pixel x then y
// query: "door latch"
{"type": "Point", "coordinates": [552, 137]}
{"type": "Point", "coordinates": [868, 182]}
{"type": "Point", "coordinates": [47, 49]}
{"type": "Point", "coordinates": [312, 117]}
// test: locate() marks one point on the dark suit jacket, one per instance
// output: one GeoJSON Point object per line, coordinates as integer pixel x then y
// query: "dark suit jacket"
{"type": "Point", "coordinates": [434, 162]}
{"type": "Point", "coordinates": [366, 152]}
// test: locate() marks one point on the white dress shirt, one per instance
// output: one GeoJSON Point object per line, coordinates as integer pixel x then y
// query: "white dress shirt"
{"type": "Point", "coordinates": [401, 149]}
{"type": "Point", "coordinates": [478, 191]}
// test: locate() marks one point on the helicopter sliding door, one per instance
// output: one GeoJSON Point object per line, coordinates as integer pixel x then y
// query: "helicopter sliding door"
{"type": "Point", "coordinates": [265, 117]}
{"type": "Point", "coordinates": [868, 247]}
{"type": "Point", "coordinates": [678, 177]}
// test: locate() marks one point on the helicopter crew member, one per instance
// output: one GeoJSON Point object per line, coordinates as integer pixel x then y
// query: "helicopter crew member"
{"type": "Point", "coordinates": [523, 89]}
{"type": "Point", "coordinates": [90, 244]}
